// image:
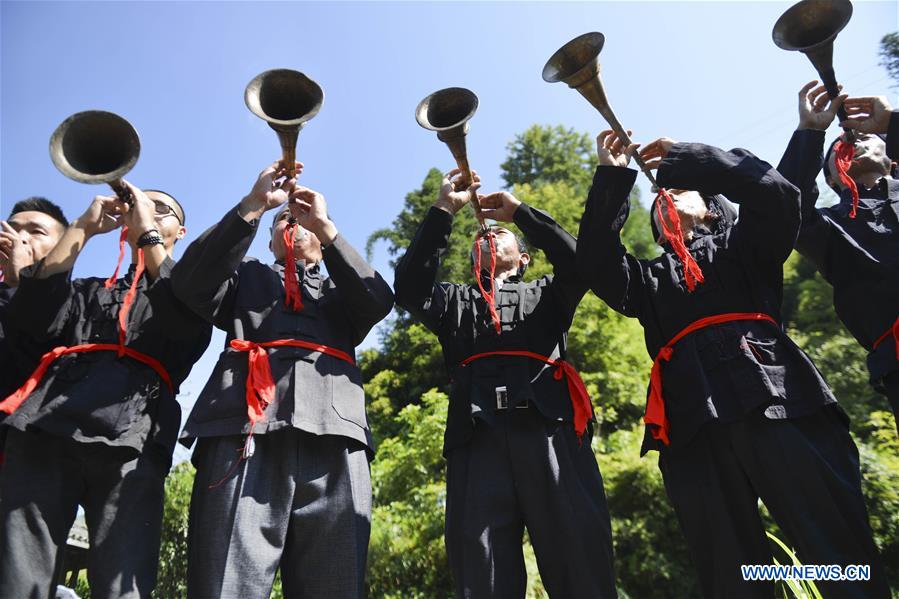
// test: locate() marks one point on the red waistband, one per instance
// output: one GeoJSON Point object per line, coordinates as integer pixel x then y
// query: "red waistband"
{"type": "Point", "coordinates": [577, 391]}
{"type": "Point", "coordinates": [655, 405]}
{"type": "Point", "coordinates": [12, 403]}
{"type": "Point", "coordinates": [893, 332]}
{"type": "Point", "coordinates": [260, 385]}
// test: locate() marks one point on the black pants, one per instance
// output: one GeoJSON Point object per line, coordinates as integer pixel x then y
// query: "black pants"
{"type": "Point", "coordinates": [805, 470]}
{"type": "Point", "coordinates": [526, 471]}
{"type": "Point", "coordinates": [43, 481]}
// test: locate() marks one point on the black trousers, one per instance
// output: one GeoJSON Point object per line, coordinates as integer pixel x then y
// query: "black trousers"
{"type": "Point", "coordinates": [43, 481]}
{"type": "Point", "coordinates": [526, 471]}
{"type": "Point", "coordinates": [805, 470]}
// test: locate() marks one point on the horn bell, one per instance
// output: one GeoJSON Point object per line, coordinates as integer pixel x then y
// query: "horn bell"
{"type": "Point", "coordinates": [810, 24]}
{"type": "Point", "coordinates": [447, 111]}
{"type": "Point", "coordinates": [94, 146]}
{"type": "Point", "coordinates": [284, 98]}
{"type": "Point", "coordinates": [576, 62]}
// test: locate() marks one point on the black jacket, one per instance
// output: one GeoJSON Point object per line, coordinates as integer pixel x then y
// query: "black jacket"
{"type": "Point", "coordinates": [98, 397]}
{"type": "Point", "coordinates": [724, 371]}
{"type": "Point", "coordinates": [535, 316]}
{"type": "Point", "coordinates": [315, 392]}
{"type": "Point", "coordinates": [858, 256]}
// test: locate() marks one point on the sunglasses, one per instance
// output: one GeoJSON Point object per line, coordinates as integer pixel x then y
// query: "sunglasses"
{"type": "Point", "coordinates": [162, 210]}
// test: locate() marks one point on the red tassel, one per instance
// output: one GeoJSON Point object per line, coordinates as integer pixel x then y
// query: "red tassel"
{"type": "Point", "coordinates": [293, 298]}
{"type": "Point", "coordinates": [692, 273]}
{"type": "Point", "coordinates": [843, 153]}
{"type": "Point", "coordinates": [490, 298]}
{"type": "Point", "coordinates": [111, 280]}
{"type": "Point", "coordinates": [129, 301]}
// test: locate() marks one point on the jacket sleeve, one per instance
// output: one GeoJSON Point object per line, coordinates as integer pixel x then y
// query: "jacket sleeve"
{"type": "Point", "coordinates": [41, 308]}
{"type": "Point", "coordinates": [602, 260]}
{"type": "Point", "coordinates": [560, 248]}
{"type": "Point", "coordinates": [800, 165]}
{"type": "Point", "coordinates": [769, 204]}
{"type": "Point", "coordinates": [416, 272]}
{"type": "Point", "coordinates": [205, 278]}
{"type": "Point", "coordinates": [366, 297]}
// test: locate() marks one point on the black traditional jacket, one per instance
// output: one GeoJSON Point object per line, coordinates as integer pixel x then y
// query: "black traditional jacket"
{"type": "Point", "coordinates": [535, 316]}
{"type": "Point", "coordinates": [726, 370]}
{"type": "Point", "coordinates": [315, 392]}
{"type": "Point", "coordinates": [858, 256]}
{"type": "Point", "coordinates": [98, 397]}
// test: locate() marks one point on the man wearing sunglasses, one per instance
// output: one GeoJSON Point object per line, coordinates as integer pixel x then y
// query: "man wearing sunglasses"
{"type": "Point", "coordinates": [95, 423]}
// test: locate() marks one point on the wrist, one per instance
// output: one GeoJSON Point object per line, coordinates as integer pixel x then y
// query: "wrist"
{"type": "Point", "coordinates": [446, 206]}
{"type": "Point", "coordinates": [85, 228]}
{"type": "Point", "coordinates": [326, 231]}
{"type": "Point", "coordinates": [250, 208]}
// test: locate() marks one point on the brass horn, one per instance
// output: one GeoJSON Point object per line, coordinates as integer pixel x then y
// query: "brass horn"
{"type": "Point", "coordinates": [447, 111]}
{"type": "Point", "coordinates": [577, 64]}
{"type": "Point", "coordinates": [811, 26]}
{"type": "Point", "coordinates": [95, 146]}
{"type": "Point", "coordinates": [285, 99]}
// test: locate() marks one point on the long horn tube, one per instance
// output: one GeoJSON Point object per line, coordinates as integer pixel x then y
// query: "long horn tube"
{"type": "Point", "coordinates": [95, 146]}
{"type": "Point", "coordinates": [447, 111]}
{"type": "Point", "coordinates": [577, 64]}
{"type": "Point", "coordinates": [810, 27]}
{"type": "Point", "coordinates": [286, 100]}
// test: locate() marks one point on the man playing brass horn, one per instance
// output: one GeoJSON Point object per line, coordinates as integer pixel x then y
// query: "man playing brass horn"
{"type": "Point", "coordinates": [855, 243]}
{"type": "Point", "coordinates": [736, 410]}
{"type": "Point", "coordinates": [96, 422]}
{"type": "Point", "coordinates": [283, 440]}
{"type": "Point", "coordinates": [519, 426]}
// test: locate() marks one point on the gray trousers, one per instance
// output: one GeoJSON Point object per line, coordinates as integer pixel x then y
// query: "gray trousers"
{"type": "Point", "coordinates": [301, 502]}
{"type": "Point", "coordinates": [42, 482]}
{"type": "Point", "coordinates": [526, 471]}
{"type": "Point", "coordinates": [805, 470]}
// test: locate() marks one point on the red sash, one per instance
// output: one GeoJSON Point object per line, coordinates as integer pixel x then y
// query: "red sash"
{"type": "Point", "coordinates": [260, 385]}
{"type": "Point", "coordinates": [655, 405]}
{"type": "Point", "coordinates": [12, 403]}
{"type": "Point", "coordinates": [891, 332]}
{"type": "Point", "coordinates": [580, 399]}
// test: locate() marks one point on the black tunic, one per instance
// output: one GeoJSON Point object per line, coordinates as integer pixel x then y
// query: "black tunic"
{"type": "Point", "coordinates": [535, 316]}
{"type": "Point", "coordinates": [727, 370]}
{"type": "Point", "coordinates": [314, 392]}
{"type": "Point", "coordinates": [858, 256]}
{"type": "Point", "coordinates": [97, 397]}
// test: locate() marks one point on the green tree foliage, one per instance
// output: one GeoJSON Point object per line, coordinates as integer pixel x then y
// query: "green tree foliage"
{"type": "Point", "coordinates": [172, 577]}
{"type": "Point", "coordinates": [889, 55]}
{"type": "Point", "coordinates": [544, 154]}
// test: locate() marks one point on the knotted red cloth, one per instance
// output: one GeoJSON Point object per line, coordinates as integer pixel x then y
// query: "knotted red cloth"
{"type": "Point", "coordinates": [655, 406]}
{"type": "Point", "coordinates": [891, 332]}
{"type": "Point", "coordinates": [294, 297]}
{"type": "Point", "coordinates": [12, 403]}
{"type": "Point", "coordinates": [843, 153]}
{"type": "Point", "coordinates": [577, 391]}
{"type": "Point", "coordinates": [490, 297]}
{"type": "Point", "coordinates": [692, 272]}
{"type": "Point", "coordinates": [128, 300]}
{"type": "Point", "coordinates": [260, 385]}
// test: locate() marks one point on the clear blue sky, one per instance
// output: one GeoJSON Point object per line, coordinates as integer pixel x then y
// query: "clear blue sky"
{"type": "Point", "coordinates": [695, 71]}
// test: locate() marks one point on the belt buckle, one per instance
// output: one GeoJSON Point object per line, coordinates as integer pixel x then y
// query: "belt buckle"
{"type": "Point", "coordinates": [502, 398]}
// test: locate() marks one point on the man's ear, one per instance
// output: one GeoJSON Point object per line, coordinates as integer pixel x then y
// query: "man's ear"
{"type": "Point", "coordinates": [525, 259]}
{"type": "Point", "coordinates": [182, 231]}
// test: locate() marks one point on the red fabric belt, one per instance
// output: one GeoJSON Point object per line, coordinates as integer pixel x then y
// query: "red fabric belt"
{"type": "Point", "coordinates": [891, 332]}
{"type": "Point", "coordinates": [580, 399]}
{"type": "Point", "coordinates": [12, 403]}
{"type": "Point", "coordinates": [655, 405]}
{"type": "Point", "coordinates": [260, 385]}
